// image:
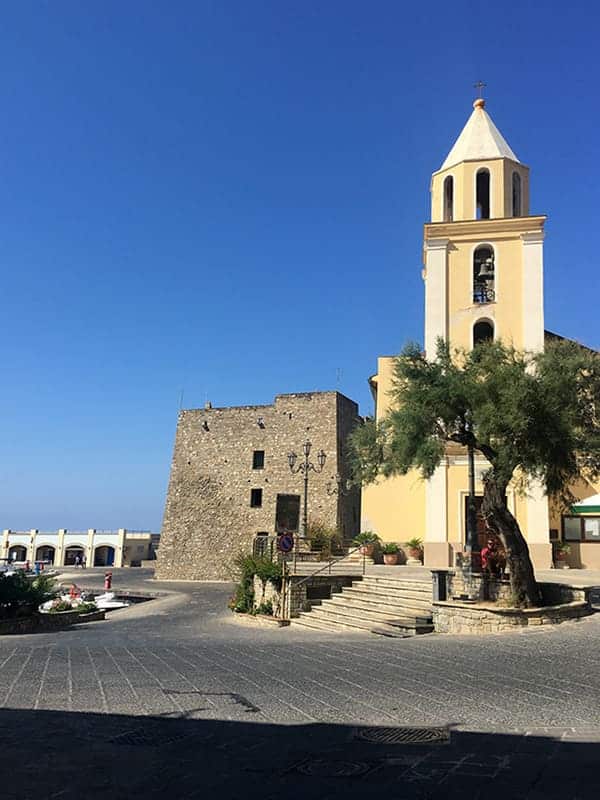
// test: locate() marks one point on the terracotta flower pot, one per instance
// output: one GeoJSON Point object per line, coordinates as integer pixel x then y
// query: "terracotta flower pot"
{"type": "Point", "coordinates": [367, 549]}
{"type": "Point", "coordinates": [416, 553]}
{"type": "Point", "coordinates": [390, 558]}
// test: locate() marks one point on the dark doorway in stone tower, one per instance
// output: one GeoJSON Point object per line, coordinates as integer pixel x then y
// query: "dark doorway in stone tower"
{"type": "Point", "coordinates": [287, 513]}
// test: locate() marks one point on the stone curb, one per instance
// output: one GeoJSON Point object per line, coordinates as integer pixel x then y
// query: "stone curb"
{"type": "Point", "coordinates": [261, 620]}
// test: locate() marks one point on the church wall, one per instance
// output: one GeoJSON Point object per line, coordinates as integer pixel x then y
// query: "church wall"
{"type": "Point", "coordinates": [385, 374]}
{"type": "Point", "coordinates": [395, 508]}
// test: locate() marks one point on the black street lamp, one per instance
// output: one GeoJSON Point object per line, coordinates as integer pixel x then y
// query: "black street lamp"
{"type": "Point", "coordinates": [305, 467]}
{"type": "Point", "coordinates": [472, 542]}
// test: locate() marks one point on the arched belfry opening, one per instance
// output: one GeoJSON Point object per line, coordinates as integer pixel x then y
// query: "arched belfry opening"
{"type": "Point", "coordinates": [482, 194]}
{"type": "Point", "coordinates": [449, 199]}
{"type": "Point", "coordinates": [516, 195]}
{"type": "Point", "coordinates": [483, 331]}
{"type": "Point", "coordinates": [484, 275]}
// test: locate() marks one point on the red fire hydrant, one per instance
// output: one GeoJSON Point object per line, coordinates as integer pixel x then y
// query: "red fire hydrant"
{"type": "Point", "coordinates": [107, 580]}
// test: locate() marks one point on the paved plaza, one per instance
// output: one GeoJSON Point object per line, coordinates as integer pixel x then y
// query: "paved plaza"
{"type": "Point", "coordinates": [178, 698]}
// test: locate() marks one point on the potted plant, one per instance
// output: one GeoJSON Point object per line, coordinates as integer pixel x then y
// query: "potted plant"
{"type": "Point", "coordinates": [561, 551]}
{"type": "Point", "coordinates": [391, 553]}
{"type": "Point", "coordinates": [415, 548]}
{"type": "Point", "coordinates": [366, 541]}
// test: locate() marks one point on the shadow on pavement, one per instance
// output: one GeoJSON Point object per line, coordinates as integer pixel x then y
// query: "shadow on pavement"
{"type": "Point", "coordinates": [69, 756]}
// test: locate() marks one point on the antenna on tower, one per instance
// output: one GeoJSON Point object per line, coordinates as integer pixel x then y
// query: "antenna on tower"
{"type": "Point", "coordinates": [338, 377]}
{"type": "Point", "coordinates": [181, 393]}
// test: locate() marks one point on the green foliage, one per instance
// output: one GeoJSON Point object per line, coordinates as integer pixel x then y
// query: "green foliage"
{"type": "Point", "coordinates": [562, 547]}
{"type": "Point", "coordinates": [415, 544]}
{"type": "Point", "coordinates": [365, 451]}
{"type": "Point", "coordinates": [324, 538]}
{"type": "Point", "coordinates": [86, 607]}
{"type": "Point", "coordinates": [247, 566]}
{"type": "Point", "coordinates": [390, 548]}
{"type": "Point", "coordinates": [20, 595]}
{"type": "Point", "coordinates": [265, 608]}
{"type": "Point", "coordinates": [366, 537]}
{"type": "Point", "coordinates": [531, 413]}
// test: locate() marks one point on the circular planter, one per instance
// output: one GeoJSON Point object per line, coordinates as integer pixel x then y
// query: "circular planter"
{"type": "Point", "coordinates": [416, 553]}
{"type": "Point", "coordinates": [390, 558]}
{"type": "Point", "coordinates": [367, 549]}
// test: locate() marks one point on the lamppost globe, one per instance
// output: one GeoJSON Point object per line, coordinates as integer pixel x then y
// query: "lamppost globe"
{"type": "Point", "coordinates": [306, 448]}
{"type": "Point", "coordinates": [292, 459]}
{"type": "Point", "coordinates": [321, 456]}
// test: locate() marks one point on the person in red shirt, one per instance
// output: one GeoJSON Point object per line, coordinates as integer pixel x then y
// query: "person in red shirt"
{"type": "Point", "coordinates": [491, 559]}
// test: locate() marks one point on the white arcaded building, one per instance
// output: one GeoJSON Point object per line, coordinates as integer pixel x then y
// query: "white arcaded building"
{"type": "Point", "coordinates": [120, 548]}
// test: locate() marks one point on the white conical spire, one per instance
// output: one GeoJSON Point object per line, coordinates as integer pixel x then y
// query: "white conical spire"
{"type": "Point", "coordinates": [479, 140]}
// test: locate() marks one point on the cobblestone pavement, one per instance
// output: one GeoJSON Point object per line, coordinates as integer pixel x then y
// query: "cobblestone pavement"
{"type": "Point", "coordinates": [178, 695]}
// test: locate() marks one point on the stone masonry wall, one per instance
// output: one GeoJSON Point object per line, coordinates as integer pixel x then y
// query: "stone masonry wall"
{"type": "Point", "coordinates": [208, 518]}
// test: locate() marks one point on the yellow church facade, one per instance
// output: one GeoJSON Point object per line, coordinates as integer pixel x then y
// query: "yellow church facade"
{"type": "Point", "coordinates": [483, 278]}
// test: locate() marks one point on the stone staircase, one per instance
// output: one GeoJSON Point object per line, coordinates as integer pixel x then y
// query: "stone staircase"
{"type": "Point", "coordinates": [388, 606]}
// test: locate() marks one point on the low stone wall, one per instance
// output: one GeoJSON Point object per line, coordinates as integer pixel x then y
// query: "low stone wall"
{"type": "Point", "coordinates": [267, 592]}
{"type": "Point", "coordinates": [452, 616]}
{"type": "Point", "coordinates": [39, 623]}
{"type": "Point", "coordinates": [478, 586]}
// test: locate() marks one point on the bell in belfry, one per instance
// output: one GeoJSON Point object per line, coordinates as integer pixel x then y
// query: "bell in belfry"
{"type": "Point", "coordinates": [486, 271]}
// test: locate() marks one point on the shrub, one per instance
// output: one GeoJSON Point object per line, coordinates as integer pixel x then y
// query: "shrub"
{"type": "Point", "coordinates": [562, 547]}
{"type": "Point", "coordinates": [265, 608]}
{"type": "Point", "coordinates": [415, 544]}
{"type": "Point", "coordinates": [20, 596]}
{"type": "Point", "coordinates": [86, 608]}
{"type": "Point", "coordinates": [324, 538]}
{"type": "Point", "coordinates": [390, 548]}
{"type": "Point", "coordinates": [247, 566]}
{"type": "Point", "coordinates": [366, 537]}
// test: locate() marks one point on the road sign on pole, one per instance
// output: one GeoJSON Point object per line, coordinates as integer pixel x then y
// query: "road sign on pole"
{"type": "Point", "coordinates": [285, 542]}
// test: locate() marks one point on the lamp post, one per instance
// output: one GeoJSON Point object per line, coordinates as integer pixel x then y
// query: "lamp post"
{"type": "Point", "coordinates": [305, 467]}
{"type": "Point", "coordinates": [472, 543]}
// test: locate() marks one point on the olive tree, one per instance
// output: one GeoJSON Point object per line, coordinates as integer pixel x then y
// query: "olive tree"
{"type": "Point", "coordinates": [532, 416]}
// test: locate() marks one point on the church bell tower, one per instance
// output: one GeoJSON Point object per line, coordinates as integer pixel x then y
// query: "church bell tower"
{"type": "Point", "coordinates": [483, 254]}
{"type": "Point", "coordinates": [483, 251]}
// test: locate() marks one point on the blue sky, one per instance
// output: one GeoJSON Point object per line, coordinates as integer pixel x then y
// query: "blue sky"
{"type": "Point", "coordinates": [227, 198]}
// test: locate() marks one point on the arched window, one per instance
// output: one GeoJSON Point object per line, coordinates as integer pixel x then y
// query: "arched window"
{"type": "Point", "coordinates": [484, 275]}
{"type": "Point", "coordinates": [449, 199]}
{"type": "Point", "coordinates": [483, 331]}
{"type": "Point", "coordinates": [482, 194]}
{"type": "Point", "coordinates": [516, 194]}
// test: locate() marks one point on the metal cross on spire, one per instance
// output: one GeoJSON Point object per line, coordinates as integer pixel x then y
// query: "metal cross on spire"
{"type": "Point", "coordinates": [480, 85]}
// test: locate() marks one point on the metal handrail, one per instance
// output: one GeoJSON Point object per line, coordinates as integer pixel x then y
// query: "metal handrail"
{"type": "Point", "coordinates": [335, 561]}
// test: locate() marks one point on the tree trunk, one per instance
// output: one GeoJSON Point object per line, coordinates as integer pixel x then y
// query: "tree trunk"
{"type": "Point", "coordinates": [502, 523]}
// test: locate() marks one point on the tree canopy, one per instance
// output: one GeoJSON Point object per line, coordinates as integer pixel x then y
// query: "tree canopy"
{"type": "Point", "coordinates": [530, 415]}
